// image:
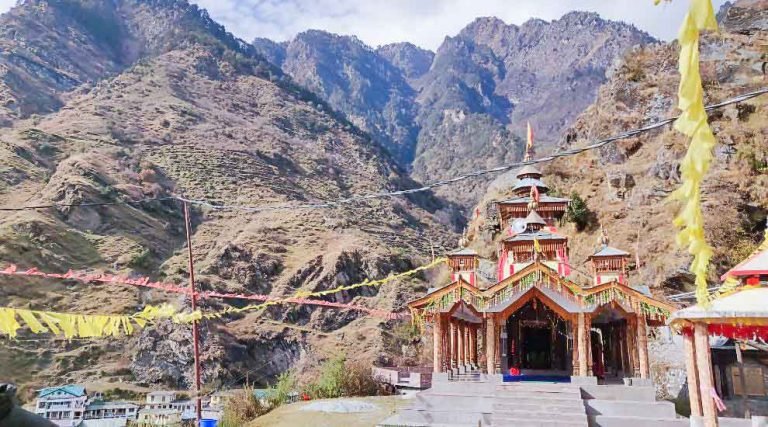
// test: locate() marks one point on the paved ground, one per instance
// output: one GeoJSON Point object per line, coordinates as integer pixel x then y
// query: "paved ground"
{"type": "Point", "coordinates": [293, 415]}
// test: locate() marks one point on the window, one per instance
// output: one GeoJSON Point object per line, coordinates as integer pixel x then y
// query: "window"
{"type": "Point", "coordinates": [754, 381]}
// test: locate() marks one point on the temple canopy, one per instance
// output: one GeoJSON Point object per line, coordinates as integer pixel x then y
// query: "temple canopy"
{"type": "Point", "coordinates": [754, 265]}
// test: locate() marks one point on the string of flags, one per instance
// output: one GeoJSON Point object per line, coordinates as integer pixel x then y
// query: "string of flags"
{"type": "Point", "coordinates": [693, 123]}
{"type": "Point", "coordinates": [98, 325]}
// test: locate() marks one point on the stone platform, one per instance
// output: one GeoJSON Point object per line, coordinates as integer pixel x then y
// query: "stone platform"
{"type": "Point", "coordinates": [475, 399]}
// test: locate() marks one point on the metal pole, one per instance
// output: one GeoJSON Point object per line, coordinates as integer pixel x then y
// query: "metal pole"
{"type": "Point", "coordinates": [195, 334]}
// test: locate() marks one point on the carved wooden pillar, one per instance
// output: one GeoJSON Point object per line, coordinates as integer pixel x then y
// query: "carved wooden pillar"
{"type": "Point", "coordinates": [473, 344]}
{"type": "Point", "coordinates": [642, 347]}
{"type": "Point", "coordinates": [582, 346]}
{"type": "Point", "coordinates": [490, 344]}
{"type": "Point", "coordinates": [454, 342]}
{"type": "Point", "coordinates": [694, 395]}
{"type": "Point", "coordinates": [462, 351]}
{"type": "Point", "coordinates": [437, 345]}
{"type": "Point", "coordinates": [590, 361]}
{"type": "Point", "coordinates": [706, 383]}
{"type": "Point", "coordinates": [574, 334]}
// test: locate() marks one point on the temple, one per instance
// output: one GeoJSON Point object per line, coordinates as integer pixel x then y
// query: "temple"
{"type": "Point", "coordinates": [534, 319]}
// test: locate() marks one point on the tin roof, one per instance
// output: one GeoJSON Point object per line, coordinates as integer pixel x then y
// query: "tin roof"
{"type": "Point", "coordinates": [744, 304]}
{"type": "Point", "coordinates": [534, 218]}
{"type": "Point", "coordinates": [606, 250]}
{"type": "Point", "coordinates": [756, 264]}
{"type": "Point", "coordinates": [463, 251]}
{"type": "Point", "coordinates": [528, 170]}
{"type": "Point", "coordinates": [542, 199]}
{"type": "Point", "coordinates": [538, 235]}
{"type": "Point", "coordinates": [529, 182]}
{"type": "Point", "coordinates": [73, 389]}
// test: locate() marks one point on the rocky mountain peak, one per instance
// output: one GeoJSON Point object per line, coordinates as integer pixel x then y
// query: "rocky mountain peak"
{"type": "Point", "coordinates": [412, 60]}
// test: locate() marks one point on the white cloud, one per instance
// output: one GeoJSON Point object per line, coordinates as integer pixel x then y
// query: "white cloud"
{"type": "Point", "coordinates": [423, 22]}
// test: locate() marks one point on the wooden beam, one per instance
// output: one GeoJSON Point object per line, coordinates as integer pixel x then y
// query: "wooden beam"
{"type": "Point", "coordinates": [742, 379]}
{"type": "Point", "coordinates": [694, 395]}
{"type": "Point", "coordinates": [704, 365]}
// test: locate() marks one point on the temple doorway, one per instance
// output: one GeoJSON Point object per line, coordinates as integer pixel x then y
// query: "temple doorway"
{"type": "Point", "coordinates": [612, 344]}
{"type": "Point", "coordinates": [537, 339]}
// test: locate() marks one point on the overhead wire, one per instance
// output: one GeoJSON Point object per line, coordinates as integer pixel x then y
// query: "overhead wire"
{"type": "Point", "coordinates": [388, 194]}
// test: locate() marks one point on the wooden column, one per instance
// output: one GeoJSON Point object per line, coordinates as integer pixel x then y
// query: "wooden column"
{"type": "Point", "coordinates": [490, 344]}
{"type": "Point", "coordinates": [573, 328]}
{"type": "Point", "coordinates": [694, 394]}
{"type": "Point", "coordinates": [468, 343]}
{"type": "Point", "coordinates": [437, 345]}
{"type": "Point", "coordinates": [632, 347]}
{"type": "Point", "coordinates": [462, 344]}
{"type": "Point", "coordinates": [473, 344]}
{"type": "Point", "coordinates": [453, 351]}
{"type": "Point", "coordinates": [582, 346]}
{"type": "Point", "coordinates": [642, 347]}
{"type": "Point", "coordinates": [706, 383]}
{"type": "Point", "coordinates": [590, 360]}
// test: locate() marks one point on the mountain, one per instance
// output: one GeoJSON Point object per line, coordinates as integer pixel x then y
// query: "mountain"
{"type": "Point", "coordinates": [356, 81]}
{"type": "Point", "coordinates": [626, 184]}
{"type": "Point", "coordinates": [410, 59]}
{"type": "Point", "coordinates": [190, 110]}
{"type": "Point", "coordinates": [463, 107]}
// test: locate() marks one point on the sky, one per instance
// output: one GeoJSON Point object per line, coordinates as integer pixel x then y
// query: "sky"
{"type": "Point", "coordinates": [422, 22]}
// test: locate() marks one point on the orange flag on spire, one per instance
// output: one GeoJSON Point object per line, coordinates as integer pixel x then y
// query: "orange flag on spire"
{"type": "Point", "coordinates": [530, 136]}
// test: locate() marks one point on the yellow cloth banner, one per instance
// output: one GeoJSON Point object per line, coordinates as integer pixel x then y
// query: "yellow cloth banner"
{"type": "Point", "coordinates": [79, 325]}
{"type": "Point", "coordinates": [92, 326]}
{"type": "Point", "coordinates": [693, 123]}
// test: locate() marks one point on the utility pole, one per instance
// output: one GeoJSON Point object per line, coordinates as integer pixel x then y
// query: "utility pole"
{"type": "Point", "coordinates": [195, 333]}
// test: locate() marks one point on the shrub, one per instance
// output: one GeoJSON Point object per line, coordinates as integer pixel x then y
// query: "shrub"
{"type": "Point", "coordinates": [339, 378]}
{"type": "Point", "coordinates": [241, 408]}
{"type": "Point", "coordinates": [578, 212]}
{"type": "Point", "coordinates": [280, 392]}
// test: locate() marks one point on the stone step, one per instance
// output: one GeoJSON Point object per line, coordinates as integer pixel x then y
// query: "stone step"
{"type": "Point", "coordinates": [540, 416]}
{"type": "Point", "coordinates": [525, 422]}
{"type": "Point", "coordinates": [555, 408]}
{"type": "Point", "coordinates": [623, 421]}
{"type": "Point", "coordinates": [536, 399]}
{"type": "Point", "coordinates": [631, 408]}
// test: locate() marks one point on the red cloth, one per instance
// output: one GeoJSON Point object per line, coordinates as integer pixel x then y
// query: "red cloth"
{"type": "Point", "coordinates": [514, 371]}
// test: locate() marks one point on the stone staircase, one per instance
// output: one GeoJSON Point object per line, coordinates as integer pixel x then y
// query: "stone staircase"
{"type": "Point", "coordinates": [538, 404]}
{"type": "Point", "coordinates": [471, 399]}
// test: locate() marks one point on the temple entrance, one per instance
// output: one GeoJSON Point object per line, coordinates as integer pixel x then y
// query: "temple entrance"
{"type": "Point", "coordinates": [537, 339]}
{"type": "Point", "coordinates": [612, 344]}
{"type": "Point", "coordinates": [538, 348]}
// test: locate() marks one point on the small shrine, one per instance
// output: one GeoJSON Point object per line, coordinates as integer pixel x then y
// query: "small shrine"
{"type": "Point", "coordinates": [739, 313]}
{"type": "Point", "coordinates": [534, 320]}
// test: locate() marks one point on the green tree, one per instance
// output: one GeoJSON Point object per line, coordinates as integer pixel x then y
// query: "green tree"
{"type": "Point", "coordinates": [578, 212]}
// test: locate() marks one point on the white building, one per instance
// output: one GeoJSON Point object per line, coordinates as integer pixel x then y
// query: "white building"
{"type": "Point", "coordinates": [111, 410]}
{"type": "Point", "coordinates": [64, 406]}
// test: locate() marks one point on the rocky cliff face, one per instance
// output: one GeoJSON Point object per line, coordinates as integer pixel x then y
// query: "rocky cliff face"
{"type": "Point", "coordinates": [463, 107]}
{"type": "Point", "coordinates": [626, 184]}
{"type": "Point", "coordinates": [200, 114]}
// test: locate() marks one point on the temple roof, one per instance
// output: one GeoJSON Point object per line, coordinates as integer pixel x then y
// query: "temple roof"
{"type": "Point", "coordinates": [542, 199]}
{"type": "Point", "coordinates": [534, 218]}
{"type": "Point", "coordinates": [746, 305]}
{"type": "Point", "coordinates": [528, 170]}
{"type": "Point", "coordinates": [606, 250]}
{"type": "Point", "coordinates": [756, 264]}
{"type": "Point", "coordinates": [529, 182]}
{"type": "Point", "coordinates": [563, 302]}
{"type": "Point", "coordinates": [463, 251]}
{"type": "Point", "coordinates": [538, 235]}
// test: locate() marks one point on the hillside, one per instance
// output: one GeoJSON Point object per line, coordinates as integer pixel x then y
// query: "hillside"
{"type": "Point", "coordinates": [463, 107]}
{"type": "Point", "coordinates": [626, 185]}
{"type": "Point", "coordinates": [205, 117]}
